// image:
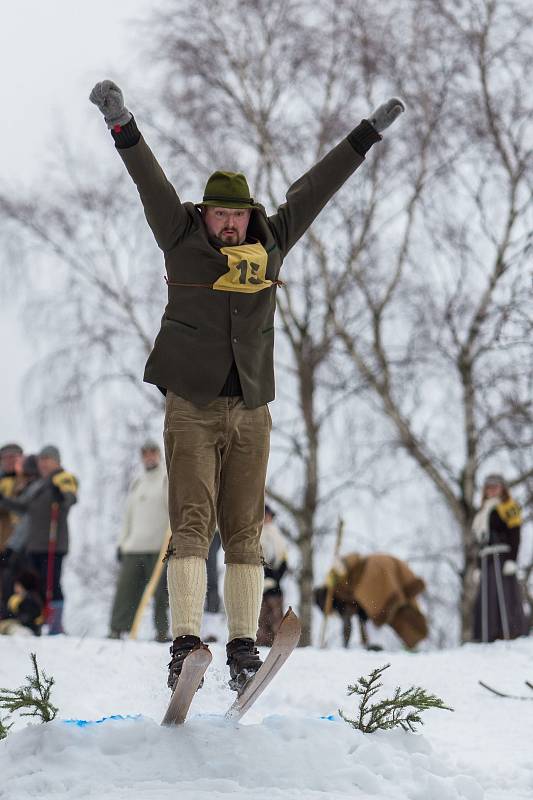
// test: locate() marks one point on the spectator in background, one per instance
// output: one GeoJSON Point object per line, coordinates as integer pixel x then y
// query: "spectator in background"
{"type": "Point", "coordinates": [497, 523]}
{"type": "Point", "coordinates": [13, 558]}
{"type": "Point", "coordinates": [378, 587]}
{"type": "Point", "coordinates": [274, 548]}
{"type": "Point", "coordinates": [144, 531]}
{"type": "Point", "coordinates": [10, 457]}
{"type": "Point", "coordinates": [24, 606]}
{"type": "Point", "coordinates": [212, 598]}
{"type": "Point", "coordinates": [47, 507]}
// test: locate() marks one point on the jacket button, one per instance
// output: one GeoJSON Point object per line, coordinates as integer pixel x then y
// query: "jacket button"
{"type": "Point", "coordinates": [235, 339]}
{"type": "Point", "coordinates": [235, 310]}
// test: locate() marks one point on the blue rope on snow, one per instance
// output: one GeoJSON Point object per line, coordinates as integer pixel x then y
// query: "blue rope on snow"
{"type": "Point", "coordinates": [83, 723]}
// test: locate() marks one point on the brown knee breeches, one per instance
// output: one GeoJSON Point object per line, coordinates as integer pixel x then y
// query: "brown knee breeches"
{"type": "Point", "coordinates": [217, 459]}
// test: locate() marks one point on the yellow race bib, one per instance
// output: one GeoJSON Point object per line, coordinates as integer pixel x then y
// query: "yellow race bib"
{"type": "Point", "coordinates": [247, 265]}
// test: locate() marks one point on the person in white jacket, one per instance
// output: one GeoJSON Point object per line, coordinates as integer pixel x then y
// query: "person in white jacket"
{"type": "Point", "coordinates": [144, 529]}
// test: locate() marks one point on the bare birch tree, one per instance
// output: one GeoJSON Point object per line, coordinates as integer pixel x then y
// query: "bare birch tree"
{"type": "Point", "coordinates": [92, 292]}
{"type": "Point", "coordinates": [267, 87]}
{"type": "Point", "coordinates": [421, 301]}
{"type": "Point", "coordinates": [459, 268]}
{"type": "Point", "coordinates": [93, 282]}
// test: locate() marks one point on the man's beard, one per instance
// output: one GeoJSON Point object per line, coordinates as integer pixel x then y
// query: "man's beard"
{"type": "Point", "coordinates": [230, 241]}
{"type": "Point", "coordinates": [229, 234]}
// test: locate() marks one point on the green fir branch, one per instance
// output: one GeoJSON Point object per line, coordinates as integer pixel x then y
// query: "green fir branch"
{"type": "Point", "coordinates": [32, 700]}
{"type": "Point", "coordinates": [402, 710]}
{"type": "Point", "coordinates": [4, 728]}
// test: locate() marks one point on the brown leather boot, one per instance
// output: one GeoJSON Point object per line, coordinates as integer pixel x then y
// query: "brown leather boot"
{"type": "Point", "coordinates": [243, 661]}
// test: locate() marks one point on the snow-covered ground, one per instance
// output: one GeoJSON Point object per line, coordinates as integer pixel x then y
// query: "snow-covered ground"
{"type": "Point", "coordinates": [285, 747]}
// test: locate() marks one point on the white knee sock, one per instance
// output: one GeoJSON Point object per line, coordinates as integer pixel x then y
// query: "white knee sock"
{"type": "Point", "coordinates": [187, 584]}
{"type": "Point", "coordinates": [243, 593]}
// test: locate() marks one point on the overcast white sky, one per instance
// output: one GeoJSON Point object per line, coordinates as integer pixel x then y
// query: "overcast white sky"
{"type": "Point", "coordinates": [51, 54]}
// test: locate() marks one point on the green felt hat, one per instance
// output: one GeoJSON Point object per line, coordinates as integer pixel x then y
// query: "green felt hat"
{"type": "Point", "coordinates": [228, 190]}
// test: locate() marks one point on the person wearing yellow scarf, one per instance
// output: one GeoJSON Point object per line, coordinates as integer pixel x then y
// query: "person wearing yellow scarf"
{"type": "Point", "coordinates": [498, 611]}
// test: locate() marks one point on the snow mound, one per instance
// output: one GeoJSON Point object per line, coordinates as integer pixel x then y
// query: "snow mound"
{"type": "Point", "coordinates": [287, 746]}
{"type": "Point", "coordinates": [211, 758]}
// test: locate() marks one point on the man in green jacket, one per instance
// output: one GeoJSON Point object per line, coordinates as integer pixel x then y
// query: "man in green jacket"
{"type": "Point", "coordinates": [213, 359]}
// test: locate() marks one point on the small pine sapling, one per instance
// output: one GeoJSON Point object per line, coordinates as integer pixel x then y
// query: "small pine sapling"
{"type": "Point", "coordinates": [402, 710]}
{"type": "Point", "coordinates": [4, 727]}
{"type": "Point", "coordinates": [32, 700]}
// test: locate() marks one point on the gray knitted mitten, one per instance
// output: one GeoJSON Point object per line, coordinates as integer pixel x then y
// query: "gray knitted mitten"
{"type": "Point", "coordinates": [107, 96]}
{"type": "Point", "coordinates": [385, 114]}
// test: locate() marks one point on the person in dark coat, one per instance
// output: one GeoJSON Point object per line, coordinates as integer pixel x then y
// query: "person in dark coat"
{"type": "Point", "coordinates": [275, 555]}
{"type": "Point", "coordinates": [212, 599]}
{"type": "Point", "coordinates": [46, 506]}
{"type": "Point", "coordinates": [13, 557]}
{"type": "Point", "coordinates": [10, 458]}
{"type": "Point", "coordinates": [498, 609]}
{"type": "Point", "coordinates": [213, 359]}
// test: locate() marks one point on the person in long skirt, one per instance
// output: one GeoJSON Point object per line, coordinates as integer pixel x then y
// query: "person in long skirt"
{"type": "Point", "coordinates": [497, 523]}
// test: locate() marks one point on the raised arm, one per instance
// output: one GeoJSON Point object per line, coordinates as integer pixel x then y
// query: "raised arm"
{"type": "Point", "coordinates": [164, 212]}
{"type": "Point", "coordinates": [65, 488]}
{"type": "Point", "coordinates": [310, 193]}
{"type": "Point", "coordinates": [14, 504]}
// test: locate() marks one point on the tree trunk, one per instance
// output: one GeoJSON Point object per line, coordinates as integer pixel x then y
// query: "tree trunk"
{"type": "Point", "coordinates": [468, 596]}
{"type": "Point", "coordinates": [469, 586]}
{"type": "Point", "coordinates": [305, 543]}
{"type": "Point", "coordinates": [307, 375]}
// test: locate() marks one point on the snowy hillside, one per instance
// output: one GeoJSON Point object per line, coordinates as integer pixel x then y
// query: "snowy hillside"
{"type": "Point", "coordinates": [286, 747]}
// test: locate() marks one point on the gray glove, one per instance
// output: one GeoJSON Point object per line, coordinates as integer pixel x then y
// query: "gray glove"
{"type": "Point", "coordinates": [107, 96]}
{"type": "Point", "coordinates": [385, 114]}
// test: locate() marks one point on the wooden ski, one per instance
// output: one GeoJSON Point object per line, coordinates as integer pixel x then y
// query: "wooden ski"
{"type": "Point", "coordinates": [285, 641]}
{"type": "Point", "coordinates": [192, 672]}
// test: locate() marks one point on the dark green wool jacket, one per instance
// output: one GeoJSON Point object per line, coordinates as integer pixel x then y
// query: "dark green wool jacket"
{"type": "Point", "coordinates": [203, 330]}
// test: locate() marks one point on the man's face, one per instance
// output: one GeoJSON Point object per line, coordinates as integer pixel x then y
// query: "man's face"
{"type": "Point", "coordinates": [9, 462]}
{"type": "Point", "coordinates": [47, 466]}
{"type": "Point", "coordinates": [227, 225]}
{"type": "Point", "coordinates": [151, 458]}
